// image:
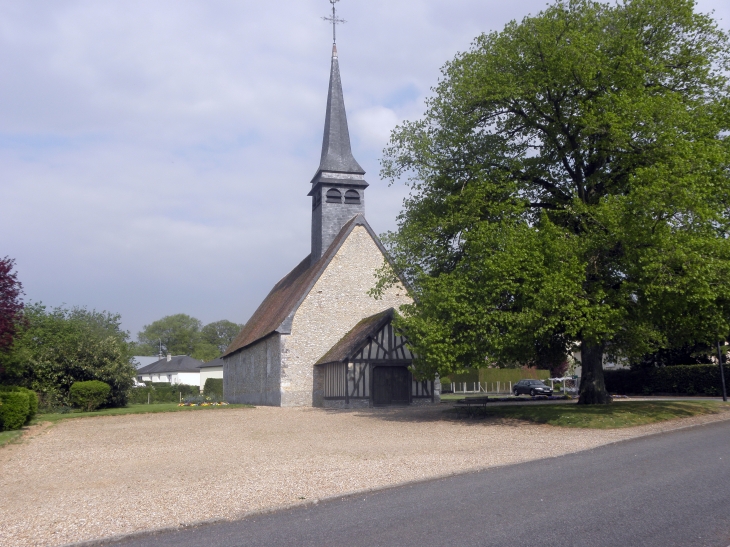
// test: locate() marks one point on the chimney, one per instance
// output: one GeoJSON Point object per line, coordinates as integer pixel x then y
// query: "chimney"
{"type": "Point", "coordinates": [169, 357]}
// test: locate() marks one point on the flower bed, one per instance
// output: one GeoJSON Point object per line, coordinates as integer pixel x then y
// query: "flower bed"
{"type": "Point", "coordinates": [203, 404]}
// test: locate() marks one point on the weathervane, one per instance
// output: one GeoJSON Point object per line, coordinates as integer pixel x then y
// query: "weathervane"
{"type": "Point", "coordinates": [334, 20]}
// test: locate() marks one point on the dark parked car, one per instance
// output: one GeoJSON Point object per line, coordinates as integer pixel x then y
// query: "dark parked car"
{"type": "Point", "coordinates": [531, 387]}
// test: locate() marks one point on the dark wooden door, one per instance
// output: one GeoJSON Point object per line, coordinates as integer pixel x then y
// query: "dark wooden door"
{"type": "Point", "coordinates": [391, 386]}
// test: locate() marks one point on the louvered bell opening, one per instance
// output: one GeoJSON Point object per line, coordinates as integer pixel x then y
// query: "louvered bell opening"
{"type": "Point", "coordinates": [334, 196]}
{"type": "Point", "coordinates": [352, 197]}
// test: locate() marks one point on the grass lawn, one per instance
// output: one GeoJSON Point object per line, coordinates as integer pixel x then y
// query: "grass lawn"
{"type": "Point", "coordinates": [9, 436]}
{"type": "Point", "coordinates": [615, 415]}
{"type": "Point", "coordinates": [132, 409]}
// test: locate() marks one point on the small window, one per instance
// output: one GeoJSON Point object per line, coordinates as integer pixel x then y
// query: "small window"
{"type": "Point", "coordinates": [353, 197]}
{"type": "Point", "coordinates": [334, 196]}
{"type": "Point", "coordinates": [316, 200]}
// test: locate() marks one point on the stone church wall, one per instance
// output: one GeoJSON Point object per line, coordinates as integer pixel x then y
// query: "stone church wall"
{"type": "Point", "coordinates": [252, 375]}
{"type": "Point", "coordinates": [336, 303]}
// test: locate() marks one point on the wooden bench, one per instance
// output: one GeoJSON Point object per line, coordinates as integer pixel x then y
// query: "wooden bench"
{"type": "Point", "coordinates": [469, 402]}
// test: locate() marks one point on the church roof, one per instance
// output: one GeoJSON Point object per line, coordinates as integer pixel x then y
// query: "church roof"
{"type": "Point", "coordinates": [336, 151]}
{"type": "Point", "coordinates": [354, 340]}
{"type": "Point", "coordinates": [276, 312]}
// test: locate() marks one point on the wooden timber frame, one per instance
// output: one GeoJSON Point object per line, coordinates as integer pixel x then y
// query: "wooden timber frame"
{"type": "Point", "coordinates": [373, 367]}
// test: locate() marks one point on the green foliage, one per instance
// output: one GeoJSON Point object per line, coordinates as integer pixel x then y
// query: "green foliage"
{"type": "Point", "coordinates": [184, 335]}
{"type": "Point", "coordinates": [220, 334]}
{"type": "Point", "coordinates": [14, 409]}
{"type": "Point", "coordinates": [162, 393]}
{"type": "Point", "coordinates": [89, 395]}
{"type": "Point", "coordinates": [569, 187]}
{"type": "Point", "coordinates": [32, 399]}
{"type": "Point", "coordinates": [213, 388]}
{"type": "Point", "coordinates": [678, 379]}
{"type": "Point", "coordinates": [59, 347]}
{"type": "Point", "coordinates": [503, 375]}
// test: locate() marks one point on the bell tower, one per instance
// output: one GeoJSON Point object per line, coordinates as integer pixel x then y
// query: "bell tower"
{"type": "Point", "coordinates": [338, 187]}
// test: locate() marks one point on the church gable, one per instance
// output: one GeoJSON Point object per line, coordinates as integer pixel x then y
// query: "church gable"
{"type": "Point", "coordinates": [337, 302]}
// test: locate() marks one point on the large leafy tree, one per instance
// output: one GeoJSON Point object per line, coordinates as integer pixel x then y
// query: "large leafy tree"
{"type": "Point", "coordinates": [569, 189]}
{"type": "Point", "coordinates": [56, 347]}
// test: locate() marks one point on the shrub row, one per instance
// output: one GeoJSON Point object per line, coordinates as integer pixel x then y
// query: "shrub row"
{"type": "Point", "coordinates": [18, 406]}
{"type": "Point", "coordinates": [677, 379]}
{"type": "Point", "coordinates": [213, 388]}
{"type": "Point", "coordinates": [89, 395]}
{"type": "Point", "coordinates": [502, 375]}
{"type": "Point", "coordinates": [162, 393]}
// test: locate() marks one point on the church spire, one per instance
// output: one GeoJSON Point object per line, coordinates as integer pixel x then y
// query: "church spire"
{"type": "Point", "coordinates": [336, 151]}
{"type": "Point", "coordinates": [338, 187]}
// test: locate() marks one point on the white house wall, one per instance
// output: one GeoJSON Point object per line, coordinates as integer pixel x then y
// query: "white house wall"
{"type": "Point", "coordinates": [210, 372]}
{"type": "Point", "coordinates": [336, 303]}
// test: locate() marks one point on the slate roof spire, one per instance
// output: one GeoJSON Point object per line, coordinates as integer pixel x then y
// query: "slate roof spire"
{"type": "Point", "coordinates": [336, 151]}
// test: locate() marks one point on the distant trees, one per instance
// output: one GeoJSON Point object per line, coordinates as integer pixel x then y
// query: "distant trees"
{"type": "Point", "coordinates": [181, 334]}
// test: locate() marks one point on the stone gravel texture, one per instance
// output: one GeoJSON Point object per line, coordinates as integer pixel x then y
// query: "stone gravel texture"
{"type": "Point", "coordinates": [98, 477]}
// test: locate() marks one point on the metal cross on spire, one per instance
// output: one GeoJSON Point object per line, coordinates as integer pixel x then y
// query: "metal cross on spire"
{"type": "Point", "coordinates": [334, 20]}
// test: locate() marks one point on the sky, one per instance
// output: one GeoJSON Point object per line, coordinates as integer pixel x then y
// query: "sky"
{"type": "Point", "coordinates": [155, 156]}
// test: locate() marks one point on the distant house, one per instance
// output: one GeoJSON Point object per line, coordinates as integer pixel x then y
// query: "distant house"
{"type": "Point", "coordinates": [140, 361]}
{"type": "Point", "coordinates": [178, 369]}
{"type": "Point", "coordinates": [211, 369]}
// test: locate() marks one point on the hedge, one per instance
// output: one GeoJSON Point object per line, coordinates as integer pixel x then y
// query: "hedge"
{"type": "Point", "coordinates": [213, 388]}
{"type": "Point", "coordinates": [676, 379]}
{"type": "Point", "coordinates": [495, 375]}
{"type": "Point", "coordinates": [89, 395]}
{"type": "Point", "coordinates": [32, 399]}
{"type": "Point", "coordinates": [162, 393]}
{"type": "Point", "coordinates": [14, 409]}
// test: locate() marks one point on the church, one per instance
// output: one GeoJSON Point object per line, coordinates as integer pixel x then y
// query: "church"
{"type": "Point", "coordinates": [318, 338]}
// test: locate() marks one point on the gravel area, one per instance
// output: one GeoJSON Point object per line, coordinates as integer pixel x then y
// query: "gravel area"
{"type": "Point", "coordinates": [98, 477]}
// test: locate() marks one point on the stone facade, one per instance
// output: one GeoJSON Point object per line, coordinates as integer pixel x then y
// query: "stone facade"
{"type": "Point", "coordinates": [253, 375]}
{"type": "Point", "coordinates": [336, 303]}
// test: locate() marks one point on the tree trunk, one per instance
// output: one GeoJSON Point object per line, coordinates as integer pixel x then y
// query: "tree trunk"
{"type": "Point", "coordinates": [592, 386]}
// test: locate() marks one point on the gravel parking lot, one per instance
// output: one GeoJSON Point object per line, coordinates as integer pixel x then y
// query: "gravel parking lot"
{"type": "Point", "coordinates": [98, 477]}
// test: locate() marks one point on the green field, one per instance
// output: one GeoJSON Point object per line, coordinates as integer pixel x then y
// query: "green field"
{"type": "Point", "coordinates": [613, 416]}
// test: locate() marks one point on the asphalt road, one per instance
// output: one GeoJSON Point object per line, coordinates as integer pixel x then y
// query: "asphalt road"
{"type": "Point", "coordinates": [665, 490]}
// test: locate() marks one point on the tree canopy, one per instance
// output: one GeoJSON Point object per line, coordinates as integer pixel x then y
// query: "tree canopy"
{"type": "Point", "coordinates": [570, 189]}
{"type": "Point", "coordinates": [182, 334]}
{"type": "Point", "coordinates": [54, 348]}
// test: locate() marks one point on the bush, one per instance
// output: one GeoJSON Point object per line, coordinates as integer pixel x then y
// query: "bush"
{"type": "Point", "coordinates": [32, 399]}
{"type": "Point", "coordinates": [213, 388]}
{"type": "Point", "coordinates": [14, 409]}
{"type": "Point", "coordinates": [677, 379]}
{"type": "Point", "coordinates": [89, 395]}
{"type": "Point", "coordinates": [162, 393]}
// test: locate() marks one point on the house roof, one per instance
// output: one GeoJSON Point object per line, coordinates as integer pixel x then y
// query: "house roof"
{"type": "Point", "coordinates": [179, 363]}
{"type": "Point", "coordinates": [217, 362]}
{"type": "Point", "coordinates": [354, 340]}
{"type": "Point", "coordinates": [276, 312]}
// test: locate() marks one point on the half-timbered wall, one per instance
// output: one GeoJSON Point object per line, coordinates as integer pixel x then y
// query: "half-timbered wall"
{"type": "Point", "coordinates": [385, 346]}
